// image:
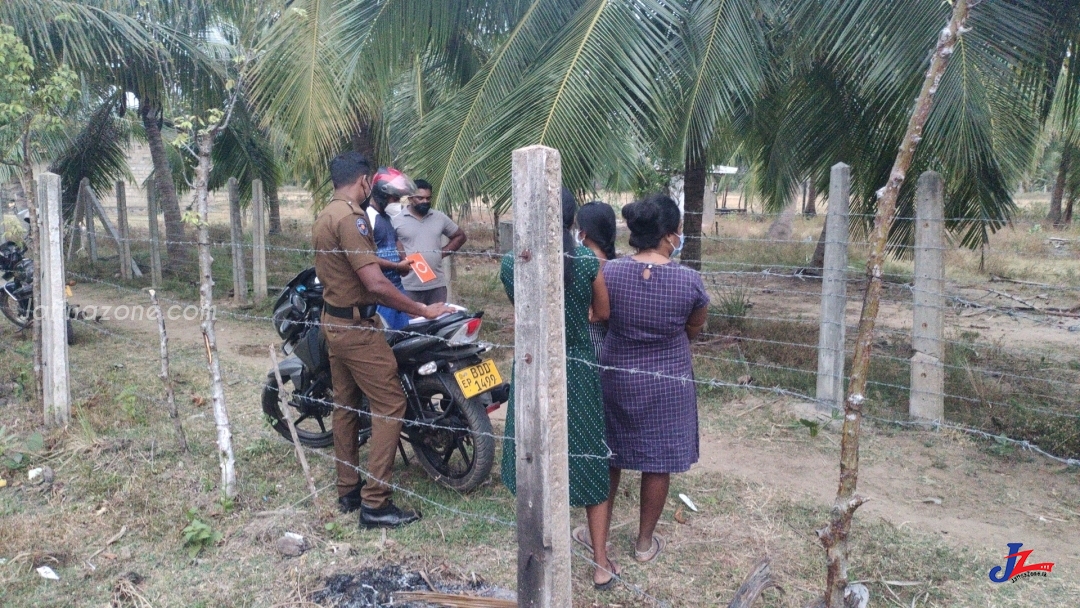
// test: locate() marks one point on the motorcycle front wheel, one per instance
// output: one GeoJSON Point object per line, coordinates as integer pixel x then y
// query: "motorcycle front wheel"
{"type": "Point", "coordinates": [457, 450]}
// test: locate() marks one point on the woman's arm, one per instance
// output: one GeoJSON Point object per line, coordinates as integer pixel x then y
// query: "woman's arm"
{"type": "Point", "coordinates": [600, 309]}
{"type": "Point", "coordinates": [696, 322]}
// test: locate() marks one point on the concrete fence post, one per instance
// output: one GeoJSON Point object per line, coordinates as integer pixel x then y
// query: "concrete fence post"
{"type": "Point", "coordinates": [123, 243]}
{"type": "Point", "coordinates": [88, 214]}
{"type": "Point", "coordinates": [258, 241]}
{"type": "Point", "coordinates": [506, 236]}
{"type": "Point", "coordinates": [830, 374]}
{"type": "Point", "coordinates": [543, 491]}
{"type": "Point", "coordinates": [927, 400]}
{"type": "Point", "coordinates": [53, 307]}
{"type": "Point", "coordinates": [236, 232]}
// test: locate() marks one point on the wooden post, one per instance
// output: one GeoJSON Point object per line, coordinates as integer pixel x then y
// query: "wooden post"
{"type": "Point", "coordinates": [95, 207]}
{"type": "Point", "coordinates": [236, 230]}
{"type": "Point", "coordinates": [830, 374]}
{"type": "Point", "coordinates": [286, 411]}
{"type": "Point", "coordinates": [166, 379]}
{"type": "Point", "coordinates": [123, 243]}
{"type": "Point", "coordinates": [206, 305]}
{"type": "Point", "coordinates": [543, 493]}
{"type": "Point", "coordinates": [258, 241]}
{"type": "Point", "coordinates": [927, 400]}
{"type": "Point", "coordinates": [52, 306]}
{"type": "Point", "coordinates": [88, 214]}
{"type": "Point", "coordinates": [155, 236]}
{"type": "Point", "coordinates": [76, 226]}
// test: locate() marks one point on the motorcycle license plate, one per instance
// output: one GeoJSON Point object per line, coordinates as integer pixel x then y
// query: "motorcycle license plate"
{"type": "Point", "coordinates": [478, 378]}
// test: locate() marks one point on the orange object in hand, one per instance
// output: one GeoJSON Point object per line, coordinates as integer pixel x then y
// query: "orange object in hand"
{"type": "Point", "coordinates": [420, 267]}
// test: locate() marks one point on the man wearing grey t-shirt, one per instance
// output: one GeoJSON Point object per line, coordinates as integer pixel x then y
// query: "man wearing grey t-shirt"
{"type": "Point", "coordinates": [420, 229]}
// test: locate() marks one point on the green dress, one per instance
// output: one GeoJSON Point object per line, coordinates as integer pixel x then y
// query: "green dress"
{"type": "Point", "coordinates": [585, 403]}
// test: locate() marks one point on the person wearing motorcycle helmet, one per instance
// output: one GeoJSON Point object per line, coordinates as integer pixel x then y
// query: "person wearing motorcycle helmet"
{"type": "Point", "coordinates": [361, 362]}
{"type": "Point", "coordinates": [388, 186]}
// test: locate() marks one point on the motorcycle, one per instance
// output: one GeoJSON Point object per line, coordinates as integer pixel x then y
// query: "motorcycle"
{"type": "Point", "coordinates": [17, 271]}
{"type": "Point", "coordinates": [449, 388]}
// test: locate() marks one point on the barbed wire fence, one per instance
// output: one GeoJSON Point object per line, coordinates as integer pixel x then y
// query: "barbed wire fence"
{"type": "Point", "coordinates": [764, 337]}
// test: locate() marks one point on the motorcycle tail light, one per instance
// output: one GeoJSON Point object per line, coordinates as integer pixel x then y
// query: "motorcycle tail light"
{"type": "Point", "coordinates": [467, 333]}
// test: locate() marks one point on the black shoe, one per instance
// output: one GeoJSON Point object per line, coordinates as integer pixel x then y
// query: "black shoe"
{"type": "Point", "coordinates": [389, 516]}
{"type": "Point", "coordinates": [351, 501]}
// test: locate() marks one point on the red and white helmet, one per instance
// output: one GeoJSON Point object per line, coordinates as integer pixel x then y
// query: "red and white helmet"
{"type": "Point", "coordinates": [388, 182]}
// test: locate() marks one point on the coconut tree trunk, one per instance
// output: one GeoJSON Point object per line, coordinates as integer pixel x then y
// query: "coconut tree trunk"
{"type": "Point", "coordinates": [362, 141]}
{"type": "Point", "coordinates": [163, 184]}
{"type": "Point", "coordinates": [811, 201]}
{"type": "Point", "coordinates": [1054, 216]}
{"type": "Point", "coordinates": [206, 301]}
{"type": "Point", "coordinates": [274, 206]}
{"type": "Point", "coordinates": [1066, 217]}
{"type": "Point", "coordinates": [834, 536]}
{"type": "Point", "coordinates": [693, 207]}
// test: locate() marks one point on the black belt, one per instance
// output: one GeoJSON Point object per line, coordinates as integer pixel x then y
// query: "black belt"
{"type": "Point", "coordinates": [366, 311]}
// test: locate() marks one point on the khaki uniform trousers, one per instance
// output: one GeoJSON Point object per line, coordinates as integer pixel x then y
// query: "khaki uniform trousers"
{"type": "Point", "coordinates": [361, 363]}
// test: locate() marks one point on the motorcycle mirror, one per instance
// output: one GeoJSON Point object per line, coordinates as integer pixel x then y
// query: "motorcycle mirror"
{"type": "Point", "coordinates": [298, 302]}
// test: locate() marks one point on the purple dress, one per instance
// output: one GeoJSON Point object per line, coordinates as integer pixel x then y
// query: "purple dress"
{"type": "Point", "coordinates": [650, 400]}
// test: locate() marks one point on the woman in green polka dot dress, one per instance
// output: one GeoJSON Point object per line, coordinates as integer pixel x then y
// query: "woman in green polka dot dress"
{"type": "Point", "coordinates": [589, 481]}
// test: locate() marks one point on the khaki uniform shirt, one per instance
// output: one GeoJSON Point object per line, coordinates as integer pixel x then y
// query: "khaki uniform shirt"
{"type": "Point", "coordinates": [344, 243]}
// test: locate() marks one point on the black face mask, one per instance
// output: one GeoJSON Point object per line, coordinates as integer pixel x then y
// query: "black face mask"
{"type": "Point", "coordinates": [422, 208]}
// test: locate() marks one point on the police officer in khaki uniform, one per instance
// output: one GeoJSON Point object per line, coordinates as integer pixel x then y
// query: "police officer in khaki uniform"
{"type": "Point", "coordinates": [360, 358]}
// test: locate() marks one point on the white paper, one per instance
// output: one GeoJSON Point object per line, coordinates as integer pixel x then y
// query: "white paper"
{"type": "Point", "coordinates": [686, 500]}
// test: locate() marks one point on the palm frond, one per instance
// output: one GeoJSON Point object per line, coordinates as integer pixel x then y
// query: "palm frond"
{"type": "Point", "coordinates": [98, 152]}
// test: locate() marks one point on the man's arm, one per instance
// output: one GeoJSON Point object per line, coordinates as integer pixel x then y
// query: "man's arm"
{"type": "Point", "coordinates": [456, 241]}
{"type": "Point", "coordinates": [388, 295]}
{"type": "Point", "coordinates": [402, 267]}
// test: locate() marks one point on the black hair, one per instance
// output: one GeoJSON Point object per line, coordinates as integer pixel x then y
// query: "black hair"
{"type": "Point", "coordinates": [650, 220]}
{"type": "Point", "coordinates": [348, 167]}
{"type": "Point", "coordinates": [597, 220]}
{"type": "Point", "coordinates": [569, 210]}
{"type": "Point", "coordinates": [422, 184]}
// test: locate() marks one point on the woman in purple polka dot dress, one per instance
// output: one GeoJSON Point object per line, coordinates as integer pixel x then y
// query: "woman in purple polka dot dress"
{"type": "Point", "coordinates": [650, 398]}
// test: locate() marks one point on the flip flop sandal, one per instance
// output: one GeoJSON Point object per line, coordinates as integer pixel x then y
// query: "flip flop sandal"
{"type": "Point", "coordinates": [580, 535]}
{"type": "Point", "coordinates": [615, 571]}
{"type": "Point", "coordinates": [658, 544]}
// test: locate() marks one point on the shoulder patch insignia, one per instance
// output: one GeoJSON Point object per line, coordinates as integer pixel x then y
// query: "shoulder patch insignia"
{"type": "Point", "coordinates": [362, 227]}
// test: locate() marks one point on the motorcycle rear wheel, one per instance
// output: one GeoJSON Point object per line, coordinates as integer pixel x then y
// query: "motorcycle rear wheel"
{"type": "Point", "coordinates": [313, 431]}
{"type": "Point", "coordinates": [459, 450]}
{"type": "Point", "coordinates": [13, 311]}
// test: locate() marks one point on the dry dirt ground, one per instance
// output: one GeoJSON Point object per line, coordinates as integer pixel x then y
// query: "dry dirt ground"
{"type": "Point", "coordinates": [941, 487]}
{"type": "Point", "coordinates": [943, 506]}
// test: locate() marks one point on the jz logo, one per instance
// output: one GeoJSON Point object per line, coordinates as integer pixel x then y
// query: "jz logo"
{"type": "Point", "coordinates": [1016, 566]}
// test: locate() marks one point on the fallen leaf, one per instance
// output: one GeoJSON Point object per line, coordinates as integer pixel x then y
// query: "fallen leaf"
{"type": "Point", "coordinates": [47, 572]}
{"type": "Point", "coordinates": [745, 380]}
{"type": "Point", "coordinates": [679, 517]}
{"type": "Point", "coordinates": [108, 555]}
{"type": "Point", "coordinates": [3, 483]}
{"type": "Point", "coordinates": [198, 400]}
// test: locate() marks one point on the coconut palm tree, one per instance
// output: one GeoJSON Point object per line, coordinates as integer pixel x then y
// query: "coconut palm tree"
{"type": "Point", "coordinates": [157, 51]}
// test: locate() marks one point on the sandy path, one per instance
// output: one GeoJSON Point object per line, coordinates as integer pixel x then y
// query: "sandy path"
{"type": "Point", "coordinates": [986, 501]}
